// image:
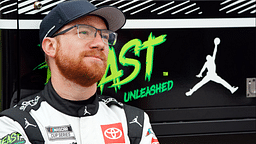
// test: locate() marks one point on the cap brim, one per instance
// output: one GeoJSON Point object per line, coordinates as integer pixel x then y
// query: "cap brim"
{"type": "Point", "coordinates": [113, 16]}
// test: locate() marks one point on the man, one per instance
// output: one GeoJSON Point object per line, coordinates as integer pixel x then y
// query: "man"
{"type": "Point", "coordinates": [75, 37]}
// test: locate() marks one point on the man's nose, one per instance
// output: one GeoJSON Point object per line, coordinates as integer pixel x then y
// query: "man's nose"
{"type": "Point", "coordinates": [97, 42]}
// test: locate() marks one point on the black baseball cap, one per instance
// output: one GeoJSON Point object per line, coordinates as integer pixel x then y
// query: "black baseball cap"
{"type": "Point", "coordinates": [69, 11]}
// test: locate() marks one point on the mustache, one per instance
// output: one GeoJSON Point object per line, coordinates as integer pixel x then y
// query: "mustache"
{"type": "Point", "coordinates": [94, 53]}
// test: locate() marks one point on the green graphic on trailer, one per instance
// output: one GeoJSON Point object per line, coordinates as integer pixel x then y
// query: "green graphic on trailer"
{"type": "Point", "coordinates": [135, 46]}
{"type": "Point", "coordinates": [148, 91]}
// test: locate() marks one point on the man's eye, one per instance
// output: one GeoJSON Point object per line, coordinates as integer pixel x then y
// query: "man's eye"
{"type": "Point", "coordinates": [105, 36]}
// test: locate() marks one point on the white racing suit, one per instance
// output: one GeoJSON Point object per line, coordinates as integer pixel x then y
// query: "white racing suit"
{"type": "Point", "coordinates": [47, 118]}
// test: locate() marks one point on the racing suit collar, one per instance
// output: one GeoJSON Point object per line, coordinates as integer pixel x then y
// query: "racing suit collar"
{"type": "Point", "coordinates": [73, 108]}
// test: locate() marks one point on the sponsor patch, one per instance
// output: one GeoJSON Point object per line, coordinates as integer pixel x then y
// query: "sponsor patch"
{"type": "Point", "coordinates": [109, 100]}
{"type": "Point", "coordinates": [13, 138]}
{"type": "Point", "coordinates": [31, 103]}
{"type": "Point", "coordinates": [150, 131]}
{"type": "Point", "coordinates": [60, 132]}
{"type": "Point", "coordinates": [113, 133]}
{"type": "Point", "coordinates": [154, 141]}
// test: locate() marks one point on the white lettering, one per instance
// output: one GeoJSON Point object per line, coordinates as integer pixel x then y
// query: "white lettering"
{"type": "Point", "coordinates": [32, 102]}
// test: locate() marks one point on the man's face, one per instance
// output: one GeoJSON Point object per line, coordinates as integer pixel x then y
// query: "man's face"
{"type": "Point", "coordinates": [79, 60]}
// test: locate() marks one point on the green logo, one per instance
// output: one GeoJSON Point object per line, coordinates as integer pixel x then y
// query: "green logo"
{"type": "Point", "coordinates": [13, 138]}
{"type": "Point", "coordinates": [115, 76]}
{"type": "Point", "coordinates": [135, 46]}
{"type": "Point", "coordinates": [148, 91]}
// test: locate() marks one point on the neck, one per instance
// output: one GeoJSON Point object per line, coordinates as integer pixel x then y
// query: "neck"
{"type": "Point", "coordinates": [70, 90]}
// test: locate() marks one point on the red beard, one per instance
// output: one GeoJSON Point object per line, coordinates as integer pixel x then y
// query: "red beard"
{"type": "Point", "coordinates": [79, 72]}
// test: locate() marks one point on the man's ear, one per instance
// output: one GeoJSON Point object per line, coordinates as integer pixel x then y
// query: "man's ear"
{"type": "Point", "coordinates": [49, 46]}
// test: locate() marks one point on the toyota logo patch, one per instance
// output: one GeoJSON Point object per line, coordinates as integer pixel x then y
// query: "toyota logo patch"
{"type": "Point", "coordinates": [113, 133]}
